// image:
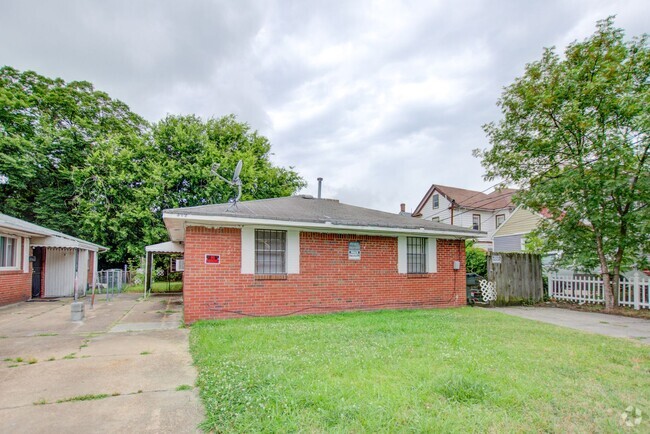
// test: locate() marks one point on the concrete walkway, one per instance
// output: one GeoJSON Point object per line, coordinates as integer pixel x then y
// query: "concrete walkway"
{"type": "Point", "coordinates": [125, 368]}
{"type": "Point", "coordinates": [599, 323]}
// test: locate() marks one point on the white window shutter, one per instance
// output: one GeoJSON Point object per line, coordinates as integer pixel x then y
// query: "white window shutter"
{"type": "Point", "coordinates": [26, 256]}
{"type": "Point", "coordinates": [432, 255]}
{"type": "Point", "coordinates": [402, 266]}
{"type": "Point", "coordinates": [293, 252]}
{"type": "Point", "coordinates": [247, 250]}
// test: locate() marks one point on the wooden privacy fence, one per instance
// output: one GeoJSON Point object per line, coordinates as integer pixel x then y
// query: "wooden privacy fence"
{"type": "Point", "coordinates": [517, 276]}
{"type": "Point", "coordinates": [634, 289]}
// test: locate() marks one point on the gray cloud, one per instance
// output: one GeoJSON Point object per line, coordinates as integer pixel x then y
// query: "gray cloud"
{"type": "Point", "coordinates": [381, 99]}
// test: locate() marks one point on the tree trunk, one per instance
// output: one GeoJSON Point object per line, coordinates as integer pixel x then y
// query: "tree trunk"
{"type": "Point", "coordinates": [608, 288]}
{"type": "Point", "coordinates": [608, 292]}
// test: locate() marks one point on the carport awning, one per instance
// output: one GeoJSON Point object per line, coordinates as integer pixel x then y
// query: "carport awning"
{"type": "Point", "coordinates": [64, 243]}
{"type": "Point", "coordinates": [166, 247]}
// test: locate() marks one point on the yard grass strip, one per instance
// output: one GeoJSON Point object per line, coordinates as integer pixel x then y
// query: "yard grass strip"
{"type": "Point", "coordinates": [444, 370]}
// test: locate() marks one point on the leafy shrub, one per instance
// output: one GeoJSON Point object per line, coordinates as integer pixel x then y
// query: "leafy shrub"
{"type": "Point", "coordinates": [476, 259]}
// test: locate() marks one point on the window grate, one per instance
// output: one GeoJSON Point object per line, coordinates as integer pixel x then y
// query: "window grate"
{"type": "Point", "coordinates": [416, 255]}
{"type": "Point", "coordinates": [270, 251]}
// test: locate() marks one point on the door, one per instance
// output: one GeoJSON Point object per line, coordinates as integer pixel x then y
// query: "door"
{"type": "Point", "coordinates": [36, 275]}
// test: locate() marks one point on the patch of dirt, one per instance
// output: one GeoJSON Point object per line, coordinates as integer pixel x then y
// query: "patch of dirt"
{"type": "Point", "coordinates": [598, 308]}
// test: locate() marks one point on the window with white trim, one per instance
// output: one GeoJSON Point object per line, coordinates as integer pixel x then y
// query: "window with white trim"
{"type": "Point", "coordinates": [435, 201]}
{"type": "Point", "coordinates": [435, 219]}
{"type": "Point", "coordinates": [476, 222]}
{"type": "Point", "coordinates": [416, 255]}
{"type": "Point", "coordinates": [7, 252]}
{"type": "Point", "coordinates": [270, 251]}
{"type": "Point", "coordinates": [500, 219]}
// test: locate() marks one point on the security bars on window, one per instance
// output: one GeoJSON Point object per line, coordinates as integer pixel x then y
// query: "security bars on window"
{"type": "Point", "coordinates": [270, 251]}
{"type": "Point", "coordinates": [416, 255]}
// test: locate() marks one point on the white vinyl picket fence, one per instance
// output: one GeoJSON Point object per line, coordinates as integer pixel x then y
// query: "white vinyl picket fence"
{"type": "Point", "coordinates": [634, 289]}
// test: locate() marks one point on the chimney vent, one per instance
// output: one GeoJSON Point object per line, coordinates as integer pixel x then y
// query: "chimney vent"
{"type": "Point", "coordinates": [402, 207]}
{"type": "Point", "coordinates": [320, 185]}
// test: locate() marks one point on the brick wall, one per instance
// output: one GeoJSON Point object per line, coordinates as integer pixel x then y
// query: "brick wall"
{"type": "Point", "coordinates": [15, 285]}
{"type": "Point", "coordinates": [328, 280]}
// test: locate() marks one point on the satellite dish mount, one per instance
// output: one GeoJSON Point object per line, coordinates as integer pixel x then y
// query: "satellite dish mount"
{"type": "Point", "coordinates": [235, 182]}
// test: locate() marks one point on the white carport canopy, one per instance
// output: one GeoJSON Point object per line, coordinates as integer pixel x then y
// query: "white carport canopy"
{"type": "Point", "coordinates": [168, 247]}
{"type": "Point", "coordinates": [64, 243]}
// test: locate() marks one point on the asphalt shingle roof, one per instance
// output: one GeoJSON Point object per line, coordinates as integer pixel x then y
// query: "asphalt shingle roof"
{"type": "Point", "coordinates": [305, 208]}
{"type": "Point", "coordinates": [471, 199]}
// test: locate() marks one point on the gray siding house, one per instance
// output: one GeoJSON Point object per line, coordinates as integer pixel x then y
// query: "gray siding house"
{"type": "Point", "coordinates": [511, 235]}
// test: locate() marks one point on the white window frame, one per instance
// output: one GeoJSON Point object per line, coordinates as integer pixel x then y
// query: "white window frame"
{"type": "Point", "coordinates": [402, 256]}
{"type": "Point", "coordinates": [17, 250]}
{"type": "Point", "coordinates": [416, 243]}
{"type": "Point", "coordinates": [274, 267]}
{"type": "Point", "coordinates": [435, 201]}
{"type": "Point", "coordinates": [474, 223]}
{"type": "Point", "coordinates": [292, 249]}
{"type": "Point", "coordinates": [496, 220]}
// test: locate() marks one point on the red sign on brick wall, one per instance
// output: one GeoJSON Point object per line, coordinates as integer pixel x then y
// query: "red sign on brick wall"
{"type": "Point", "coordinates": [212, 259]}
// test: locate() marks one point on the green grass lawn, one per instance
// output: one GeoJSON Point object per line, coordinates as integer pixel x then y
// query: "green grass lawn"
{"type": "Point", "coordinates": [157, 287]}
{"type": "Point", "coordinates": [445, 370]}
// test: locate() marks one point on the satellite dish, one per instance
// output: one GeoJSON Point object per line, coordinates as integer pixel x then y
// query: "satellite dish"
{"type": "Point", "coordinates": [235, 177]}
{"type": "Point", "coordinates": [236, 181]}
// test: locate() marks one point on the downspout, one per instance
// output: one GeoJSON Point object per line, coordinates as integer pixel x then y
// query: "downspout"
{"type": "Point", "coordinates": [453, 202]}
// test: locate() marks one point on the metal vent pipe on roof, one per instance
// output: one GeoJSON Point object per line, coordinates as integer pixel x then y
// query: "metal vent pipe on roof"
{"type": "Point", "coordinates": [320, 185]}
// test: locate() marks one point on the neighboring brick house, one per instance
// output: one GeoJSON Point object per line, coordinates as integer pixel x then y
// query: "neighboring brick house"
{"type": "Point", "coordinates": [39, 262]}
{"type": "Point", "coordinates": [467, 209]}
{"type": "Point", "coordinates": [299, 254]}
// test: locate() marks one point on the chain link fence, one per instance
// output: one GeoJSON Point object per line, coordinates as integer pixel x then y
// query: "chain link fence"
{"type": "Point", "coordinates": [110, 282]}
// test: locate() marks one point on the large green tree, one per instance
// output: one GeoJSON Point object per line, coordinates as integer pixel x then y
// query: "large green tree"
{"type": "Point", "coordinates": [47, 130]}
{"type": "Point", "coordinates": [130, 180]}
{"type": "Point", "coordinates": [575, 136]}
{"type": "Point", "coordinates": [75, 160]}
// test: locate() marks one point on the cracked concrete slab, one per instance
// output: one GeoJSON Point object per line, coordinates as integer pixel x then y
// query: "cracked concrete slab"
{"type": "Point", "coordinates": [133, 349]}
{"type": "Point", "coordinates": [147, 412]}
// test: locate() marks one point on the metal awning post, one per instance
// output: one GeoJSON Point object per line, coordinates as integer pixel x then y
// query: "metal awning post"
{"type": "Point", "coordinates": [147, 273]}
{"type": "Point", "coordinates": [76, 273]}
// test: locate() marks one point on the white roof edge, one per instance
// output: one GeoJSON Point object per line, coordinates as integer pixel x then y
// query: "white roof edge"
{"type": "Point", "coordinates": [64, 242]}
{"type": "Point", "coordinates": [166, 247]}
{"type": "Point", "coordinates": [325, 226]}
{"type": "Point", "coordinates": [24, 228]}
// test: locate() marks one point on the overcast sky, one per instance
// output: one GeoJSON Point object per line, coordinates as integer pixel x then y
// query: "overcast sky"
{"type": "Point", "coordinates": [381, 99]}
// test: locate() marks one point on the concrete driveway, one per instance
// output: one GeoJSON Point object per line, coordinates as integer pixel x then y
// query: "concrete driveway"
{"type": "Point", "coordinates": [126, 367]}
{"type": "Point", "coordinates": [600, 323]}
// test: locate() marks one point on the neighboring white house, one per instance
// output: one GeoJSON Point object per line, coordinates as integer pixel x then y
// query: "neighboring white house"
{"type": "Point", "coordinates": [467, 209]}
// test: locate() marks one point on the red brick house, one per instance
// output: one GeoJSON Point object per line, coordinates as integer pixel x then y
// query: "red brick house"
{"type": "Point", "coordinates": [38, 262]}
{"type": "Point", "coordinates": [304, 255]}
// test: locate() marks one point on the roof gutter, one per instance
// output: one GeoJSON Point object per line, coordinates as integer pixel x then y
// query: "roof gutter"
{"type": "Point", "coordinates": [327, 227]}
